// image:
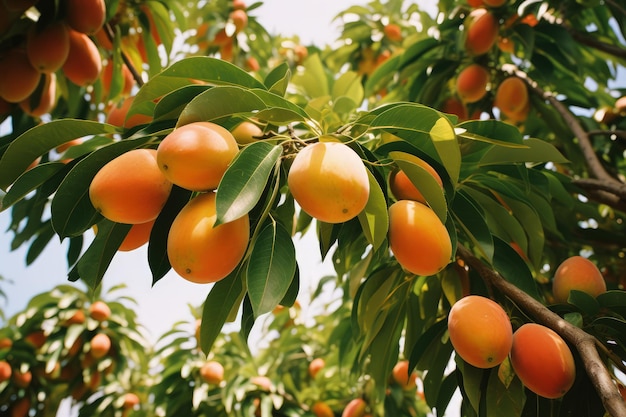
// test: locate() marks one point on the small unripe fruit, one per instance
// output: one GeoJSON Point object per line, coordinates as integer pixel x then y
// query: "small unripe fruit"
{"type": "Point", "coordinates": [315, 366]}
{"type": "Point", "coordinates": [212, 372]}
{"type": "Point", "coordinates": [99, 310]}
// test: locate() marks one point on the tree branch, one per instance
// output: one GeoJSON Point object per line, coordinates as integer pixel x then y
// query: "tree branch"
{"type": "Point", "coordinates": [108, 30]}
{"type": "Point", "coordinates": [584, 343]}
{"type": "Point", "coordinates": [608, 48]}
{"type": "Point", "coordinates": [593, 184]}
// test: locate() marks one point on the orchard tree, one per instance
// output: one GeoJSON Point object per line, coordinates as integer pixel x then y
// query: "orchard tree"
{"type": "Point", "coordinates": [462, 168]}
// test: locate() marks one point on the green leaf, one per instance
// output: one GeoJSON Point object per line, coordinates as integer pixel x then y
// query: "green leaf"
{"type": "Point", "coordinates": [271, 268]}
{"type": "Point", "coordinates": [424, 182]}
{"type": "Point", "coordinates": [157, 247]}
{"type": "Point", "coordinates": [537, 151]}
{"type": "Point", "coordinates": [513, 268]}
{"type": "Point", "coordinates": [427, 122]}
{"type": "Point", "coordinates": [218, 102]}
{"type": "Point", "coordinates": [374, 218]}
{"type": "Point", "coordinates": [40, 139]}
{"type": "Point", "coordinates": [29, 181]}
{"type": "Point", "coordinates": [277, 80]}
{"type": "Point", "coordinates": [188, 71]}
{"type": "Point", "coordinates": [444, 138]}
{"type": "Point", "coordinates": [585, 302]}
{"type": "Point", "coordinates": [172, 104]}
{"type": "Point", "coordinates": [97, 258]}
{"type": "Point", "coordinates": [72, 211]}
{"type": "Point", "coordinates": [245, 179]}
{"type": "Point", "coordinates": [224, 298]}
{"type": "Point", "coordinates": [472, 222]}
{"type": "Point", "coordinates": [502, 400]}
{"type": "Point", "coordinates": [348, 85]}
{"type": "Point", "coordinates": [312, 80]}
{"type": "Point", "coordinates": [492, 131]}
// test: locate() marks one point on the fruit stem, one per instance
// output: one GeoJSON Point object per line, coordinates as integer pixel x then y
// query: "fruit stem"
{"type": "Point", "coordinates": [585, 344]}
{"type": "Point", "coordinates": [108, 30]}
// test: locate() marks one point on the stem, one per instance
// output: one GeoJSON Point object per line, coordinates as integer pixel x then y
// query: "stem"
{"type": "Point", "coordinates": [584, 343]}
{"type": "Point", "coordinates": [612, 187]}
{"type": "Point", "coordinates": [111, 35]}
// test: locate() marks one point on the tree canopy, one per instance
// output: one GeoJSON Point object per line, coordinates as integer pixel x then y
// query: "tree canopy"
{"type": "Point", "coordinates": [464, 170]}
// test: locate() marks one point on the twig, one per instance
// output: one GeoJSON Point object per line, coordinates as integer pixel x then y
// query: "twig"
{"type": "Point", "coordinates": [584, 343]}
{"type": "Point", "coordinates": [108, 30]}
{"type": "Point", "coordinates": [621, 134]}
{"type": "Point", "coordinates": [617, 361]}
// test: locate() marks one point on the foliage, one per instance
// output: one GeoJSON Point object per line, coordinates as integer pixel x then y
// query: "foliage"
{"type": "Point", "coordinates": [520, 191]}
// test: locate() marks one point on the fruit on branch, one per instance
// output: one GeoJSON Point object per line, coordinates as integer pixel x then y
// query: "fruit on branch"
{"type": "Point", "coordinates": [48, 48]}
{"type": "Point", "coordinates": [481, 31]}
{"type": "Point", "coordinates": [404, 376]}
{"type": "Point", "coordinates": [247, 132]}
{"type": "Point", "coordinates": [577, 273]}
{"type": "Point", "coordinates": [5, 371]}
{"type": "Point", "coordinates": [239, 5]}
{"type": "Point", "coordinates": [22, 379]}
{"type": "Point", "coordinates": [403, 188]}
{"type": "Point", "coordinates": [85, 16]}
{"type": "Point", "coordinates": [263, 382]}
{"type": "Point", "coordinates": [471, 83]}
{"type": "Point", "coordinates": [321, 409]}
{"type": "Point", "coordinates": [21, 407]}
{"type": "Point", "coordinates": [512, 97]}
{"type": "Point", "coordinates": [100, 345]}
{"type": "Point", "coordinates": [315, 366]}
{"type": "Point", "coordinates": [131, 400]}
{"type": "Point", "coordinates": [130, 188]}
{"type": "Point", "coordinates": [239, 17]}
{"type": "Point", "coordinates": [118, 115]}
{"type": "Point", "coordinates": [77, 318]}
{"type": "Point", "coordinates": [355, 408]}
{"type": "Point", "coordinates": [480, 331]}
{"type": "Point", "coordinates": [393, 32]}
{"type": "Point", "coordinates": [37, 338]}
{"type": "Point", "coordinates": [99, 311]}
{"type": "Point", "coordinates": [542, 360]}
{"type": "Point", "coordinates": [138, 235]}
{"type": "Point", "coordinates": [200, 251]}
{"type": "Point", "coordinates": [83, 63]}
{"type": "Point", "coordinates": [5, 343]}
{"type": "Point", "coordinates": [329, 181]}
{"type": "Point", "coordinates": [418, 238]}
{"type": "Point", "coordinates": [44, 97]}
{"type": "Point", "coordinates": [19, 78]}
{"type": "Point", "coordinates": [195, 156]}
{"type": "Point", "coordinates": [212, 372]}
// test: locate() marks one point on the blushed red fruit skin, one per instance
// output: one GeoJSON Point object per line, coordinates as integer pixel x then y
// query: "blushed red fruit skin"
{"type": "Point", "coordinates": [577, 273]}
{"type": "Point", "coordinates": [480, 331]}
{"type": "Point", "coordinates": [542, 361]}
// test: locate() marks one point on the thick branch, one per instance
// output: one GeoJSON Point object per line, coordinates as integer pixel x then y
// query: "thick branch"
{"type": "Point", "coordinates": [593, 162]}
{"type": "Point", "coordinates": [584, 343]}
{"type": "Point", "coordinates": [608, 48]}
{"type": "Point", "coordinates": [593, 184]}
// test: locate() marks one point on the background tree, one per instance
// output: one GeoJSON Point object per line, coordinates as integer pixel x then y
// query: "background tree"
{"type": "Point", "coordinates": [457, 163]}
